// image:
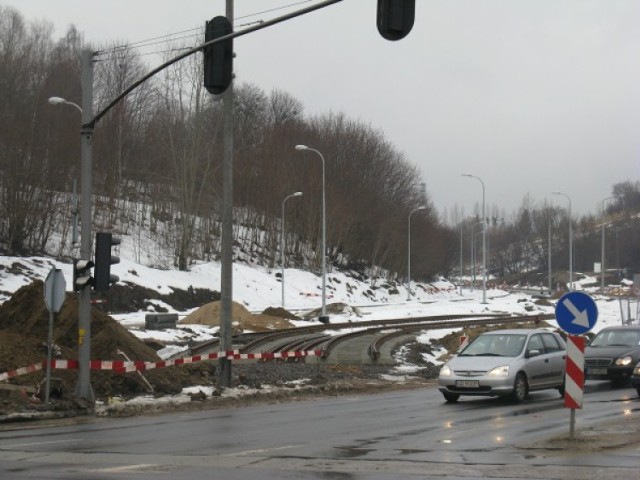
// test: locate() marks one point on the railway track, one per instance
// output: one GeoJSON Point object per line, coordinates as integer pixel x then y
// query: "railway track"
{"type": "Point", "coordinates": [367, 339]}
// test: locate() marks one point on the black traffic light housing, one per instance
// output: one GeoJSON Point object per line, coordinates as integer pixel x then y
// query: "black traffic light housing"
{"type": "Point", "coordinates": [103, 261]}
{"type": "Point", "coordinates": [218, 58]}
{"type": "Point", "coordinates": [395, 18]}
{"type": "Point", "coordinates": [82, 274]}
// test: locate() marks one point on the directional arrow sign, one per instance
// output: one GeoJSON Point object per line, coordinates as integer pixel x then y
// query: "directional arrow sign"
{"type": "Point", "coordinates": [576, 313]}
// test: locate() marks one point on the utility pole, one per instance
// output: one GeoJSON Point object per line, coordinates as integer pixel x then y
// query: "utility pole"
{"type": "Point", "coordinates": [83, 388]}
{"type": "Point", "coordinates": [226, 263]}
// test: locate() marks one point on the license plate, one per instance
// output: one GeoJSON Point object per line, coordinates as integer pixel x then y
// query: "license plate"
{"type": "Point", "coordinates": [468, 383]}
{"type": "Point", "coordinates": [596, 371]}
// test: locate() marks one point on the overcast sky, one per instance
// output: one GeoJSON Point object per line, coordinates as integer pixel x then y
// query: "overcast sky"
{"type": "Point", "coordinates": [533, 96]}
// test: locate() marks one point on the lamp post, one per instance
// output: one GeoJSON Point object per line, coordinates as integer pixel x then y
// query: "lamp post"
{"type": "Point", "coordinates": [549, 255]}
{"type": "Point", "coordinates": [570, 240]}
{"type": "Point", "coordinates": [472, 241]}
{"type": "Point", "coordinates": [475, 250]}
{"type": "Point", "coordinates": [603, 254]}
{"type": "Point", "coordinates": [422, 207]}
{"type": "Point", "coordinates": [297, 194]}
{"type": "Point", "coordinates": [83, 388]}
{"type": "Point", "coordinates": [484, 240]}
{"type": "Point", "coordinates": [460, 276]}
{"type": "Point", "coordinates": [324, 232]}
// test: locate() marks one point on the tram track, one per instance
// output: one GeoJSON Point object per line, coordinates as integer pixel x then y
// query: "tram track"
{"type": "Point", "coordinates": [317, 337]}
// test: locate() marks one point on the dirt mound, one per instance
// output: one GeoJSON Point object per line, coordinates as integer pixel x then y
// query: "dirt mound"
{"type": "Point", "coordinates": [242, 319]}
{"type": "Point", "coordinates": [280, 312]}
{"type": "Point", "coordinates": [24, 324]}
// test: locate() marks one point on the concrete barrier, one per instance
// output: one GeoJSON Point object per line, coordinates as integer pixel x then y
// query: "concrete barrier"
{"type": "Point", "coordinates": [160, 321]}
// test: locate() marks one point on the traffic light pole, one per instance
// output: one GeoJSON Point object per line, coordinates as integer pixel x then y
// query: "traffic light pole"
{"type": "Point", "coordinates": [83, 388]}
{"type": "Point", "coordinates": [226, 262]}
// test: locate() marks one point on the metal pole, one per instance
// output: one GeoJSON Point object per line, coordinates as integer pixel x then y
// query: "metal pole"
{"type": "Point", "coordinates": [484, 239]}
{"type": "Point", "coordinates": [324, 230]}
{"type": "Point", "coordinates": [83, 387]}
{"type": "Point", "coordinates": [473, 260]}
{"type": "Point", "coordinates": [549, 254]}
{"type": "Point", "coordinates": [409, 251]}
{"type": "Point", "coordinates": [460, 259]}
{"type": "Point", "coordinates": [50, 341]}
{"type": "Point", "coordinates": [297, 194]}
{"type": "Point", "coordinates": [602, 258]}
{"type": "Point", "coordinates": [226, 262]}
{"type": "Point", "coordinates": [570, 247]}
{"type": "Point", "coordinates": [484, 246]}
{"type": "Point", "coordinates": [409, 258]}
{"type": "Point", "coordinates": [324, 242]}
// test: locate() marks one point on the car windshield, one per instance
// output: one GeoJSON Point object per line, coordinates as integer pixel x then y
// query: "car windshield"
{"type": "Point", "coordinates": [496, 345]}
{"type": "Point", "coordinates": [616, 338]}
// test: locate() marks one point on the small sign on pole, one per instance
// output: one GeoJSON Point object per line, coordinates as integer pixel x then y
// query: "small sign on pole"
{"type": "Point", "coordinates": [54, 289]}
{"type": "Point", "coordinates": [576, 313]}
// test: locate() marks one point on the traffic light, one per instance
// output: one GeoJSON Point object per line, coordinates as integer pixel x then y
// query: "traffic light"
{"type": "Point", "coordinates": [395, 18]}
{"type": "Point", "coordinates": [218, 58]}
{"type": "Point", "coordinates": [103, 261]}
{"type": "Point", "coordinates": [82, 274]}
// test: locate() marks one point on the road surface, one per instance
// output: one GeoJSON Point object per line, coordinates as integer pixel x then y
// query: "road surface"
{"type": "Point", "coordinates": [395, 435]}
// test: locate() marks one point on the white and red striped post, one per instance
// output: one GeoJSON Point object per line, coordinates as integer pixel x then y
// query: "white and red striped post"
{"type": "Point", "coordinates": [574, 376]}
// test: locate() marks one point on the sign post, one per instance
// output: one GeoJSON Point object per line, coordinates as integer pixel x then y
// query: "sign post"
{"type": "Point", "coordinates": [54, 288]}
{"type": "Point", "coordinates": [576, 314]}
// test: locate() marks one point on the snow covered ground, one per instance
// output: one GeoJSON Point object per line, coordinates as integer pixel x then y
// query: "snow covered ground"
{"type": "Point", "coordinates": [258, 288]}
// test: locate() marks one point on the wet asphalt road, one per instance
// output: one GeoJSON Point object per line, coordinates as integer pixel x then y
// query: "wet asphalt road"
{"type": "Point", "coordinates": [399, 435]}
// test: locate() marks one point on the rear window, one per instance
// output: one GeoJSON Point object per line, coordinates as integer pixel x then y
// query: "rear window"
{"type": "Point", "coordinates": [616, 338]}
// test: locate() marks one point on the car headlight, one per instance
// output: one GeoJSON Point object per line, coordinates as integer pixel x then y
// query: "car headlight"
{"type": "Point", "coordinates": [445, 371]}
{"type": "Point", "coordinates": [624, 361]}
{"type": "Point", "coordinates": [502, 371]}
{"type": "Point", "coordinates": [636, 371]}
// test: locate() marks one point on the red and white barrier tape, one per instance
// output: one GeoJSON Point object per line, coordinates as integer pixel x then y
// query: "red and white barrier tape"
{"type": "Point", "coordinates": [120, 366]}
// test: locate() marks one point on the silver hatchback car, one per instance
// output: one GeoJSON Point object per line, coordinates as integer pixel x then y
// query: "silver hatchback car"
{"type": "Point", "coordinates": [506, 363]}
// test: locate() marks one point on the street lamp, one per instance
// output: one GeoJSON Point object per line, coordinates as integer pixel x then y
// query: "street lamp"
{"type": "Point", "coordinates": [549, 255]}
{"type": "Point", "coordinates": [603, 255]}
{"type": "Point", "coordinates": [62, 101]}
{"type": "Point", "coordinates": [460, 276]}
{"type": "Point", "coordinates": [484, 240]}
{"type": "Point", "coordinates": [570, 240]}
{"type": "Point", "coordinates": [422, 207]}
{"type": "Point", "coordinates": [324, 232]}
{"type": "Point", "coordinates": [83, 388]}
{"type": "Point", "coordinates": [472, 241]}
{"type": "Point", "coordinates": [297, 194]}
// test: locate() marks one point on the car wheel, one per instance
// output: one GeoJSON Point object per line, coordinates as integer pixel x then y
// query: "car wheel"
{"type": "Point", "coordinates": [451, 397]}
{"type": "Point", "coordinates": [520, 388]}
{"type": "Point", "coordinates": [638, 390]}
{"type": "Point", "coordinates": [619, 382]}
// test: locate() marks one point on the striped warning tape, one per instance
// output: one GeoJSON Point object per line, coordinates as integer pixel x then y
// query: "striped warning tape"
{"type": "Point", "coordinates": [125, 366]}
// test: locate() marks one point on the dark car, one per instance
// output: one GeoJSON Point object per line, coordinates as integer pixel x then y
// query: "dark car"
{"type": "Point", "coordinates": [635, 379]}
{"type": "Point", "coordinates": [612, 354]}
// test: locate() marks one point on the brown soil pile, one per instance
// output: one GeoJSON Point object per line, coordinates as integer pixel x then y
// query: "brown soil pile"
{"type": "Point", "coordinates": [24, 324]}
{"type": "Point", "coordinates": [242, 319]}
{"type": "Point", "coordinates": [280, 312]}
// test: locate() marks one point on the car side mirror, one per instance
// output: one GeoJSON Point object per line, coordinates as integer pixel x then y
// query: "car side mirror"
{"type": "Point", "coordinates": [533, 353]}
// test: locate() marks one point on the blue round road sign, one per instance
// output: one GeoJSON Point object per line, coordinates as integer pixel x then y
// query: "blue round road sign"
{"type": "Point", "coordinates": [576, 313]}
